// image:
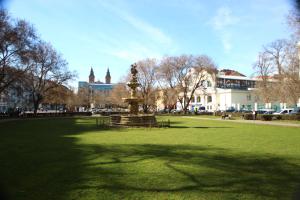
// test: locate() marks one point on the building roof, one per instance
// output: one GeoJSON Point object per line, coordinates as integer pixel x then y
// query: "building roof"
{"type": "Point", "coordinates": [235, 77]}
{"type": "Point", "coordinates": [92, 72]}
{"type": "Point", "coordinates": [95, 86]}
{"type": "Point", "coordinates": [230, 72]}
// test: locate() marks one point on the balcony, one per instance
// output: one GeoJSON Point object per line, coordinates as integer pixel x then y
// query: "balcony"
{"type": "Point", "coordinates": [235, 84]}
{"type": "Point", "coordinates": [235, 87]}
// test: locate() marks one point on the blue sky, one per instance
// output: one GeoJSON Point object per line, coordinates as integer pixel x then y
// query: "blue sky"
{"type": "Point", "coordinates": [117, 33]}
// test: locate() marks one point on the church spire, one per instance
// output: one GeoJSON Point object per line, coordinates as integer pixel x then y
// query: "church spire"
{"type": "Point", "coordinates": [92, 76]}
{"type": "Point", "coordinates": [107, 77]}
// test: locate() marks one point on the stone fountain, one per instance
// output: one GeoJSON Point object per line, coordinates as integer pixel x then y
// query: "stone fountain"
{"type": "Point", "coordinates": [134, 118]}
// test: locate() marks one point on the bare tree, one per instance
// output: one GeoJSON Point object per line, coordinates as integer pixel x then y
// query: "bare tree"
{"type": "Point", "coordinates": [48, 71]}
{"type": "Point", "coordinates": [147, 79]}
{"type": "Point", "coordinates": [280, 59]}
{"type": "Point", "coordinates": [264, 71]}
{"type": "Point", "coordinates": [16, 40]}
{"type": "Point", "coordinates": [280, 54]}
{"type": "Point", "coordinates": [57, 96]}
{"type": "Point", "coordinates": [117, 94]}
{"type": "Point", "coordinates": [168, 97]}
{"type": "Point", "coordinates": [277, 55]}
{"type": "Point", "coordinates": [293, 20]}
{"type": "Point", "coordinates": [71, 99]}
{"type": "Point", "coordinates": [185, 74]}
{"type": "Point", "coordinates": [101, 98]}
{"type": "Point", "coordinates": [83, 97]}
{"type": "Point", "coordinates": [291, 79]}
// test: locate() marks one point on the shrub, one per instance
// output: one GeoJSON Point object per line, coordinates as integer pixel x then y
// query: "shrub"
{"type": "Point", "coordinates": [278, 117]}
{"type": "Point", "coordinates": [290, 117]}
{"type": "Point", "coordinates": [248, 116]}
{"type": "Point", "coordinates": [266, 117]}
{"type": "Point", "coordinates": [238, 114]}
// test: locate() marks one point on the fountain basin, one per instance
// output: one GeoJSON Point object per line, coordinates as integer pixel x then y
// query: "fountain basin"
{"type": "Point", "coordinates": [134, 120]}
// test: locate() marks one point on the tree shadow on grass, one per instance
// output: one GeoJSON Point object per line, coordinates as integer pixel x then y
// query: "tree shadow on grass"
{"type": "Point", "coordinates": [202, 170]}
{"type": "Point", "coordinates": [201, 127]}
{"type": "Point", "coordinates": [40, 159]}
{"type": "Point", "coordinates": [39, 162]}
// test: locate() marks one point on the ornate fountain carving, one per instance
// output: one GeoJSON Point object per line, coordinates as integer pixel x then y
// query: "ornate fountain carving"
{"type": "Point", "coordinates": [133, 101]}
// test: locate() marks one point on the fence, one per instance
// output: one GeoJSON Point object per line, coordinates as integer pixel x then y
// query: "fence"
{"type": "Point", "coordinates": [103, 121]}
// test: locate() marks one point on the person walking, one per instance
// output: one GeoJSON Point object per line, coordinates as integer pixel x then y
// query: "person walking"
{"type": "Point", "coordinates": [254, 114]}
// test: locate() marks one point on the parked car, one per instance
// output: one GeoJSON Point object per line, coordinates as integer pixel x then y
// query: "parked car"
{"type": "Point", "coordinates": [296, 111]}
{"type": "Point", "coordinates": [245, 111]}
{"type": "Point", "coordinates": [284, 111]}
{"type": "Point", "coordinates": [231, 109]}
{"type": "Point", "coordinates": [269, 113]}
{"type": "Point", "coordinates": [265, 111]}
{"type": "Point", "coordinates": [175, 111]}
{"type": "Point", "coordinates": [163, 111]}
{"type": "Point", "coordinates": [201, 109]}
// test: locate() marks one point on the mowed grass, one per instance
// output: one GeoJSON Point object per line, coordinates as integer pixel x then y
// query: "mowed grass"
{"type": "Point", "coordinates": [194, 159]}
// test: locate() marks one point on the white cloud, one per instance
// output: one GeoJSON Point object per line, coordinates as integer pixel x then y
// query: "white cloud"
{"type": "Point", "coordinates": [226, 41]}
{"type": "Point", "coordinates": [224, 19]}
{"type": "Point", "coordinates": [154, 33]}
{"type": "Point", "coordinates": [134, 52]}
{"type": "Point", "coordinates": [221, 23]}
{"type": "Point", "coordinates": [129, 51]}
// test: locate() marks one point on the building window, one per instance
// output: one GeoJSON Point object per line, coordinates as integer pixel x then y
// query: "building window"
{"type": "Point", "coordinates": [208, 84]}
{"type": "Point", "coordinates": [249, 107]}
{"type": "Point", "coordinates": [198, 99]}
{"type": "Point", "coordinates": [193, 98]}
{"type": "Point", "coordinates": [209, 99]}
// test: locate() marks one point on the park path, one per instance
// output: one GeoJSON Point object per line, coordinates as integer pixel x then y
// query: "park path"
{"type": "Point", "coordinates": [257, 122]}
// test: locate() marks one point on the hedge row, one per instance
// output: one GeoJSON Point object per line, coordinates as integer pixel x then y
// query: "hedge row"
{"type": "Point", "coordinates": [287, 117]}
{"type": "Point", "coordinates": [249, 116]}
{"type": "Point", "coordinates": [233, 114]}
{"type": "Point", "coordinates": [181, 113]}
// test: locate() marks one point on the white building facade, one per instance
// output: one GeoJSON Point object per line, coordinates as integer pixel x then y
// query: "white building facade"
{"type": "Point", "coordinates": [229, 90]}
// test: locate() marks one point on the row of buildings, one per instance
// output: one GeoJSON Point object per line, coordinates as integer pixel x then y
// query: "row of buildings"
{"type": "Point", "coordinates": [17, 96]}
{"type": "Point", "coordinates": [97, 85]}
{"type": "Point", "coordinates": [228, 89]}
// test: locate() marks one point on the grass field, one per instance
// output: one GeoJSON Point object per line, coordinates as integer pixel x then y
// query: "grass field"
{"type": "Point", "coordinates": [194, 159]}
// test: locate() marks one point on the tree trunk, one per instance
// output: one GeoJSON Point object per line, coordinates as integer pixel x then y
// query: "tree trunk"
{"type": "Point", "coordinates": [36, 101]}
{"type": "Point", "coordinates": [186, 105]}
{"type": "Point", "coordinates": [35, 106]}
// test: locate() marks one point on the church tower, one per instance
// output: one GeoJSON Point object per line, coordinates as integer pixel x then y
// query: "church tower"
{"type": "Point", "coordinates": [92, 76]}
{"type": "Point", "coordinates": [107, 77]}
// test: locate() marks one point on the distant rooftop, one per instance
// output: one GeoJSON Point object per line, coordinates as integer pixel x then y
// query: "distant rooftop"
{"type": "Point", "coordinates": [230, 72]}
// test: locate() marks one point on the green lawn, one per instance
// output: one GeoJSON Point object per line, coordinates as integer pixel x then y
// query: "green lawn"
{"type": "Point", "coordinates": [195, 159]}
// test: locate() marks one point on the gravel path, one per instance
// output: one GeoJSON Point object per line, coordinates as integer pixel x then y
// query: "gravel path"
{"type": "Point", "coordinates": [249, 121]}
